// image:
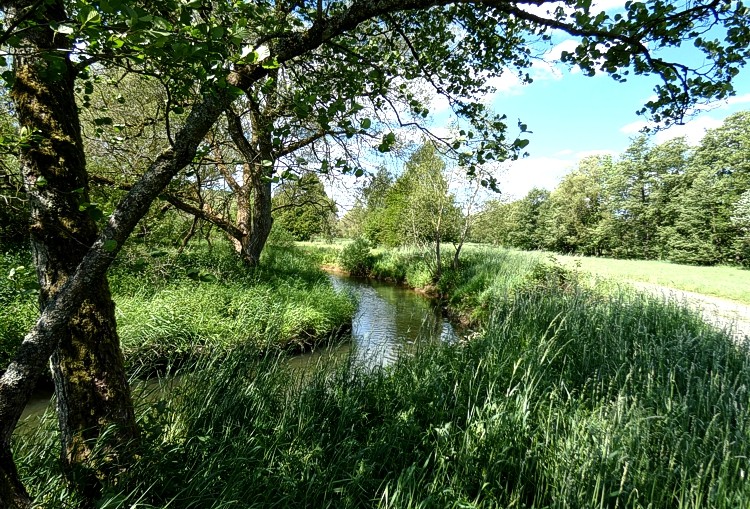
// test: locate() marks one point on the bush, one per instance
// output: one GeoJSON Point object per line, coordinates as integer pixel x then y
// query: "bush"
{"type": "Point", "coordinates": [356, 258]}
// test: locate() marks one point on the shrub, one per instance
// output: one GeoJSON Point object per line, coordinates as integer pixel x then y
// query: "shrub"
{"type": "Point", "coordinates": [356, 258]}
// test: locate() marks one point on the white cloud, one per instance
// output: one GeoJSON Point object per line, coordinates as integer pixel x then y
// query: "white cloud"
{"type": "Point", "coordinates": [555, 52]}
{"type": "Point", "coordinates": [545, 172]}
{"type": "Point", "coordinates": [693, 131]}
{"type": "Point", "coordinates": [438, 104]}
{"type": "Point", "coordinates": [508, 83]}
{"type": "Point", "coordinates": [738, 99]}
{"type": "Point", "coordinates": [634, 127]}
{"type": "Point", "coordinates": [607, 5]}
{"type": "Point", "coordinates": [590, 153]}
{"type": "Point", "coordinates": [546, 9]}
{"type": "Point", "coordinates": [525, 174]}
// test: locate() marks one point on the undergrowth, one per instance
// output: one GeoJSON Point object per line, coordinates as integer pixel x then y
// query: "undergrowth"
{"type": "Point", "coordinates": [173, 307]}
{"type": "Point", "coordinates": [569, 397]}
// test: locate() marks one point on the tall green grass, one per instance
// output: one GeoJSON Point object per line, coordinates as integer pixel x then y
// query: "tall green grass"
{"type": "Point", "coordinates": [207, 299]}
{"type": "Point", "coordinates": [569, 397]}
{"type": "Point", "coordinates": [18, 307]}
{"type": "Point", "coordinates": [173, 307]}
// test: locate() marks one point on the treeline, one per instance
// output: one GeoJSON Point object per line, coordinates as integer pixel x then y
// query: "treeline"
{"type": "Point", "coordinates": [414, 208]}
{"type": "Point", "coordinates": [669, 201]}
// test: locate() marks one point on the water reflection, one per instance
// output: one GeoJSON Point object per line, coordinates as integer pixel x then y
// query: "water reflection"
{"type": "Point", "coordinates": [389, 319]}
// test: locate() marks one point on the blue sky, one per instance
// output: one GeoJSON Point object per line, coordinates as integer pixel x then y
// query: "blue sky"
{"type": "Point", "coordinates": [572, 115]}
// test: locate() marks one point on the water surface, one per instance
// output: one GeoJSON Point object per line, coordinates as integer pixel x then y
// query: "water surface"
{"type": "Point", "coordinates": [388, 320]}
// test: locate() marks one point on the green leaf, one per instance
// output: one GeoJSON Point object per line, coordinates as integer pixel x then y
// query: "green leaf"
{"type": "Point", "coordinates": [520, 144]}
{"type": "Point", "coordinates": [110, 245]}
{"type": "Point", "coordinates": [103, 121]}
{"type": "Point", "coordinates": [41, 181]}
{"type": "Point", "coordinates": [208, 278]}
{"type": "Point", "coordinates": [366, 123]}
{"type": "Point", "coordinates": [271, 64]}
{"type": "Point", "coordinates": [157, 254]}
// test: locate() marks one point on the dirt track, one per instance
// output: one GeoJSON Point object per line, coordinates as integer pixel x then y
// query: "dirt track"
{"type": "Point", "coordinates": [723, 313]}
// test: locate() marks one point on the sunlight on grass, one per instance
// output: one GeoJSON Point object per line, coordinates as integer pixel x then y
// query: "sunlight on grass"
{"type": "Point", "coordinates": [720, 281]}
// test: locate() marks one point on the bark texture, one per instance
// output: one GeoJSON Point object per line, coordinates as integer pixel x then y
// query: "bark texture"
{"type": "Point", "coordinates": [87, 366]}
{"type": "Point", "coordinates": [254, 218]}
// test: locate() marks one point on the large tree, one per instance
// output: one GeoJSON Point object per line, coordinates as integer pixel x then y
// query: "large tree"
{"type": "Point", "coordinates": [207, 54]}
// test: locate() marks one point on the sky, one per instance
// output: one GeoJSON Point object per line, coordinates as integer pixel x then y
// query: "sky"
{"type": "Point", "coordinates": [572, 116]}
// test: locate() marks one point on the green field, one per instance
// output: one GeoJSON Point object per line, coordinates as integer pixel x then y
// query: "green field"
{"type": "Point", "coordinates": [731, 283]}
{"type": "Point", "coordinates": [722, 281]}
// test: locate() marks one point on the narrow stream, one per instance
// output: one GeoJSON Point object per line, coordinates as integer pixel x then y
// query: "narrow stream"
{"type": "Point", "coordinates": [388, 319]}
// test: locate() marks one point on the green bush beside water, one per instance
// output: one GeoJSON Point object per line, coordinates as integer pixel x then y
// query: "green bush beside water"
{"type": "Point", "coordinates": [18, 308]}
{"type": "Point", "coordinates": [569, 396]}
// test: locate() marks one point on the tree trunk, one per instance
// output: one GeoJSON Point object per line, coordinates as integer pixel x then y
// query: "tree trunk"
{"type": "Point", "coordinates": [12, 493]}
{"type": "Point", "coordinates": [261, 220]}
{"type": "Point", "coordinates": [90, 384]}
{"type": "Point", "coordinates": [256, 222]}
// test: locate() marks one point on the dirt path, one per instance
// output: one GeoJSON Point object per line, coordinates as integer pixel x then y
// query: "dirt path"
{"type": "Point", "coordinates": [723, 313]}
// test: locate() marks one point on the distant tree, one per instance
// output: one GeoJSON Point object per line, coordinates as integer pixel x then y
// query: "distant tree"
{"type": "Point", "coordinates": [717, 176]}
{"type": "Point", "coordinates": [741, 220]}
{"type": "Point", "coordinates": [528, 214]}
{"type": "Point", "coordinates": [575, 209]}
{"type": "Point", "coordinates": [381, 207]}
{"type": "Point", "coordinates": [302, 207]}
{"type": "Point", "coordinates": [495, 222]}
{"type": "Point", "coordinates": [430, 215]}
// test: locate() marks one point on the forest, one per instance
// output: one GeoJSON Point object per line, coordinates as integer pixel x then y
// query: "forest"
{"type": "Point", "coordinates": [670, 201]}
{"type": "Point", "coordinates": [162, 164]}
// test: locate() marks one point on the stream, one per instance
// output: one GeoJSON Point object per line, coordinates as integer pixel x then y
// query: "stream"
{"type": "Point", "coordinates": [389, 319]}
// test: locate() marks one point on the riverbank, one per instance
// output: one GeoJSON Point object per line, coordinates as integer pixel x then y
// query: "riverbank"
{"type": "Point", "coordinates": [570, 395]}
{"type": "Point", "coordinates": [173, 308]}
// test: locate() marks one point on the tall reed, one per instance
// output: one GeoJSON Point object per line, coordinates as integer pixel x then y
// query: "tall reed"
{"type": "Point", "coordinates": [569, 397]}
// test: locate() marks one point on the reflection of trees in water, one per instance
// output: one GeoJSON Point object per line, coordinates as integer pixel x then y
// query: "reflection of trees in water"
{"type": "Point", "coordinates": [390, 318]}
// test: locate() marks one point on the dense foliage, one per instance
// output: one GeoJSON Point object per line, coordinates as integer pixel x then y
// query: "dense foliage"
{"type": "Point", "coordinates": [302, 208]}
{"type": "Point", "coordinates": [669, 201]}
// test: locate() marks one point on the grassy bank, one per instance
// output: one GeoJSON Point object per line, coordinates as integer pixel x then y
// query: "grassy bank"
{"type": "Point", "coordinates": [727, 282]}
{"type": "Point", "coordinates": [570, 396]}
{"type": "Point", "coordinates": [174, 307]}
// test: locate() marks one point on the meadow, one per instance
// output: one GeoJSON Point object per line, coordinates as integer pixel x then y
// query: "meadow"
{"type": "Point", "coordinates": [568, 395]}
{"type": "Point", "coordinates": [724, 281]}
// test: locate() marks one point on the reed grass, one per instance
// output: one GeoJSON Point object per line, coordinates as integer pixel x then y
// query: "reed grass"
{"type": "Point", "coordinates": [570, 396]}
{"type": "Point", "coordinates": [173, 307]}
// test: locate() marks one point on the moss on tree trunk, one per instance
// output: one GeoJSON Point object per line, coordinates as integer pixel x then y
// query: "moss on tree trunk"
{"type": "Point", "coordinates": [90, 384]}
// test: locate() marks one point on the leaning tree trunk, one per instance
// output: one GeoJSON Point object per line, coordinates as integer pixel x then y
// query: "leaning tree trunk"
{"type": "Point", "coordinates": [255, 221]}
{"type": "Point", "coordinates": [87, 366]}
